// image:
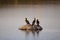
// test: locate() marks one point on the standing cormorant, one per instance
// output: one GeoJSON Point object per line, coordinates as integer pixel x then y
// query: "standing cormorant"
{"type": "Point", "coordinates": [27, 21]}
{"type": "Point", "coordinates": [33, 21]}
{"type": "Point", "coordinates": [37, 22]}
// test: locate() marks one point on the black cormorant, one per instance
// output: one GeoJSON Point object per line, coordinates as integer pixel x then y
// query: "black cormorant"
{"type": "Point", "coordinates": [37, 22]}
{"type": "Point", "coordinates": [27, 21]}
{"type": "Point", "coordinates": [33, 21]}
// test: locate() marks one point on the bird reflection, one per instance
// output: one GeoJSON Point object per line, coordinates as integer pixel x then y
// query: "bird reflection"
{"type": "Point", "coordinates": [33, 33]}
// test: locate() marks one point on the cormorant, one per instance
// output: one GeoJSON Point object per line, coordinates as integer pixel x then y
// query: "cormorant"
{"type": "Point", "coordinates": [37, 22]}
{"type": "Point", "coordinates": [27, 21]}
{"type": "Point", "coordinates": [33, 21]}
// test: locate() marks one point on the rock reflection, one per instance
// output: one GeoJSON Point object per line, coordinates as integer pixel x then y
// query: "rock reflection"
{"type": "Point", "coordinates": [32, 34]}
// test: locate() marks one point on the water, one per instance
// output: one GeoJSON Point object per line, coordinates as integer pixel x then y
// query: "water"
{"type": "Point", "coordinates": [11, 18]}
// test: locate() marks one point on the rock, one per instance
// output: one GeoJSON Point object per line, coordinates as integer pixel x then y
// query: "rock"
{"type": "Point", "coordinates": [26, 27]}
{"type": "Point", "coordinates": [30, 27]}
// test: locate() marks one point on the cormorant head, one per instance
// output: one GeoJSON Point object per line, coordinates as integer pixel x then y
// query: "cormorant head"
{"type": "Point", "coordinates": [25, 18]}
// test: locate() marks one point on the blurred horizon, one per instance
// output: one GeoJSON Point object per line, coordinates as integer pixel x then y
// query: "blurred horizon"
{"type": "Point", "coordinates": [31, 2]}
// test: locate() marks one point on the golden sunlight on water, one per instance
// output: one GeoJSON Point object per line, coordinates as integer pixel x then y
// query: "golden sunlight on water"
{"type": "Point", "coordinates": [38, 12]}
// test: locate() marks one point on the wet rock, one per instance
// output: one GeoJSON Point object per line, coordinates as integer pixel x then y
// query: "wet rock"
{"type": "Point", "coordinates": [30, 27]}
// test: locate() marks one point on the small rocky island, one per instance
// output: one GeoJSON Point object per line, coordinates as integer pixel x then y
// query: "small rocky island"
{"type": "Point", "coordinates": [32, 26]}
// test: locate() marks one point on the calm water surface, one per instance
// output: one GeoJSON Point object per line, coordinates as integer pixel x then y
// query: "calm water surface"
{"type": "Point", "coordinates": [11, 18]}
